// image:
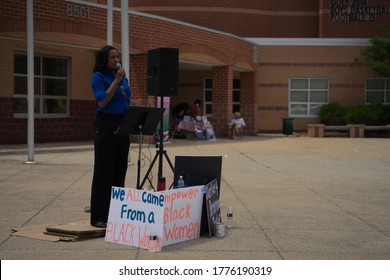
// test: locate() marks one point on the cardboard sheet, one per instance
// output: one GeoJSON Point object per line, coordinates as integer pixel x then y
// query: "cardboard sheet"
{"type": "Point", "coordinates": [38, 232]}
{"type": "Point", "coordinates": [80, 230]}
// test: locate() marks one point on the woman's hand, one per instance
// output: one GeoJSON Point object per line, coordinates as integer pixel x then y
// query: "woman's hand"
{"type": "Point", "coordinates": [120, 73]}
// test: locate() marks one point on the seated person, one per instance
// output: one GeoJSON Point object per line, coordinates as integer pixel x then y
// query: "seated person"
{"type": "Point", "coordinates": [179, 112]}
{"type": "Point", "coordinates": [196, 108]}
{"type": "Point", "coordinates": [236, 125]}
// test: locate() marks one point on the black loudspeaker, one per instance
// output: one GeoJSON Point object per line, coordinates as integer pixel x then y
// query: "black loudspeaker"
{"type": "Point", "coordinates": [163, 71]}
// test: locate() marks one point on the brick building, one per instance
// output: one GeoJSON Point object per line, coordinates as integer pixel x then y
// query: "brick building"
{"type": "Point", "coordinates": [268, 59]}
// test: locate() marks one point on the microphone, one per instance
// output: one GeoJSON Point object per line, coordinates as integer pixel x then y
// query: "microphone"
{"type": "Point", "coordinates": [117, 66]}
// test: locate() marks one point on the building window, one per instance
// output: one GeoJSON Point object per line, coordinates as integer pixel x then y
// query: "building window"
{"type": "Point", "coordinates": [307, 95]}
{"type": "Point", "coordinates": [236, 95]}
{"type": "Point", "coordinates": [378, 91]}
{"type": "Point", "coordinates": [51, 96]}
{"type": "Point", "coordinates": [208, 96]}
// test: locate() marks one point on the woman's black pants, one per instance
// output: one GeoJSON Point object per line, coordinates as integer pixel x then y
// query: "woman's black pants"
{"type": "Point", "coordinates": [110, 164]}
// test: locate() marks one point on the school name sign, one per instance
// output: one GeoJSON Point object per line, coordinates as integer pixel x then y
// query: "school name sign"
{"type": "Point", "coordinates": [355, 11]}
{"type": "Point", "coordinates": [174, 215]}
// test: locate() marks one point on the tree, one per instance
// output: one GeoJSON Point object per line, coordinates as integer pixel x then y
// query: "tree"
{"type": "Point", "coordinates": [378, 55]}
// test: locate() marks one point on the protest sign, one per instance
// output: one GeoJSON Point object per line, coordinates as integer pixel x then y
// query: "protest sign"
{"type": "Point", "coordinates": [174, 215]}
{"type": "Point", "coordinates": [182, 214]}
{"type": "Point", "coordinates": [213, 206]}
{"type": "Point", "coordinates": [133, 215]}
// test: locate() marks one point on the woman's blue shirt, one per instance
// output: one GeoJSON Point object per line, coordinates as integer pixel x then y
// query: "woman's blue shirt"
{"type": "Point", "coordinates": [119, 103]}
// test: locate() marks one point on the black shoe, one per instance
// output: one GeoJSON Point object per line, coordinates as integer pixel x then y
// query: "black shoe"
{"type": "Point", "coordinates": [99, 224]}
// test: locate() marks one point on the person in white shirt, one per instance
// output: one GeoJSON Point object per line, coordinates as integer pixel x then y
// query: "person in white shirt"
{"type": "Point", "coordinates": [236, 125]}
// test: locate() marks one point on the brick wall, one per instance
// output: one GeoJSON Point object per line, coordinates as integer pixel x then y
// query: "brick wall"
{"type": "Point", "coordinates": [138, 78]}
{"type": "Point", "coordinates": [264, 93]}
{"type": "Point", "coordinates": [248, 101]}
{"type": "Point", "coordinates": [222, 98]}
{"type": "Point", "coordinates": [278, 18]}
{"type": "Point", "coordinates": [243, 18]}
{"type": "Point", "coordinates": [78, 127]}
{"type": "Point", "coordinates": [300, 18]}
{"type": "Point", "coordinates": [338, 21]}
{"type": "Point", "coordinates": [51, 16]}
{"type": "Point", "coordinates": [343, 66]}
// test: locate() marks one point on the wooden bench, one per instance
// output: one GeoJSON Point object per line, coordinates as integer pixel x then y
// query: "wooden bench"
{"type": "Point", "coordinates": [321, 130]}
{"type": "Point", "coordinates": [350, 130]}
{"type": "Point", "coordinates": [379, 128]}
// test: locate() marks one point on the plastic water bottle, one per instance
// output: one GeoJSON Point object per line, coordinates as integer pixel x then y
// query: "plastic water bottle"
{"type": "Point", "coordinates": [180, 182]}
{"type": "Point", "coordinates": [153, 241]}
{"type": "Point", "coordinates": [229, 221]}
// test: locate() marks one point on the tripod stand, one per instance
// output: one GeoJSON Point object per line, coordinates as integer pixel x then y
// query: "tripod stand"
{"type": "Point", "coordinates": [160, 152]}
{"type": "Point", "coordinates": [141, 121]}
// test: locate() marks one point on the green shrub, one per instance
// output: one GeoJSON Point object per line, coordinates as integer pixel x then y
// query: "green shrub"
{"type": "Point", "coordinates": [386, 114]}
{"type": "Point", "coordinates": [333, 114]}
{"type": "Point", "coordinates": [373, 114]}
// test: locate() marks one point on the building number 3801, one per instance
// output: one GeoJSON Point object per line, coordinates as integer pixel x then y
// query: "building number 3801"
{"type": "Point", "coordinates": [77, 11]}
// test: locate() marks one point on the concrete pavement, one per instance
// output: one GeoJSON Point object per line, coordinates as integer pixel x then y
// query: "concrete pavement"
{"type": "Point", "coordinates": [293, 198]}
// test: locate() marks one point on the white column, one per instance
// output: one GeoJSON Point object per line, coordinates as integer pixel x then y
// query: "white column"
{"type": "Point", "coordinates": [109, 22]}
{"type": "Point", "coordinates": [125, 37]}
{"type": "Point", "coordinates": [30, 80]}
{"type": "Point", "coordinates": [125, 46]}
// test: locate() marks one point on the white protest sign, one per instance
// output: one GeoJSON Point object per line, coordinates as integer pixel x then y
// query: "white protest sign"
{"type": "Point", "coordinates": [133, 214]}
{"type": "Point", "coordinates": [174, 214]}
